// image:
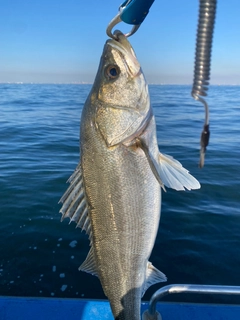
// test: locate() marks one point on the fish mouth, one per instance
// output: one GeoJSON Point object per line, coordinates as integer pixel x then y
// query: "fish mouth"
{"type": "Point", "coordinates": [124, 48]}
{"type": "Point", "coordinates": [121, 43]}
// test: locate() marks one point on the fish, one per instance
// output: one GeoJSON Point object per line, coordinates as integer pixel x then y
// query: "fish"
{"type": "Point", "coordinates": [115, 191]}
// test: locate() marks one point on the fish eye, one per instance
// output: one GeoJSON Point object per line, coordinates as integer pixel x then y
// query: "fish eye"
{"type": "Point", "coordinates": [112, 71]}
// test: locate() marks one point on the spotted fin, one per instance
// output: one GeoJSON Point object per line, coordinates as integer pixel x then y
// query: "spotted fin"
{"type": "Point", "coordinates": [74, 204]}
{"type": "Point", "coordinates": [153, 275]}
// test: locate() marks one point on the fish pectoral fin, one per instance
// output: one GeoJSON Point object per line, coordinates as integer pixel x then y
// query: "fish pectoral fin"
{"type": "Point", "coordinates": [168, 171]}
{"type": "Point", "coordinates": [89, 264]}
{"type": "Point", "coordinates": [153, 275]}
{"type": "Point", "coordinates": [74, 204]}
{"type": "Point", "coordinates": [174, 175]}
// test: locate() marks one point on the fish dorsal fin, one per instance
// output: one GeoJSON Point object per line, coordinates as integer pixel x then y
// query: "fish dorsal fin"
{"type": "Point", "coordinates": [89, 264]}
{"type": "Point", "coordinates": [153, 275]}
{"type": "Point", "coordinates": [74, 204]}
{"type": "Point", "coordinates": [168, 171]}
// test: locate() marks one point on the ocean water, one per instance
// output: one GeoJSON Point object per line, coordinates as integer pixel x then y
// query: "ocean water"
{"type": "Point", "coordinates": [199, 236]}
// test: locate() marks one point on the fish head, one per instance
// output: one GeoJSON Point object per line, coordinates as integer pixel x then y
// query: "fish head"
{"type": "Point", "coordinates": [121, 91]}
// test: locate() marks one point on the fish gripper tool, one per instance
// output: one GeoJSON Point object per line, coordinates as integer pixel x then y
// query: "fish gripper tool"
{"type": "Point", "coordinates": [206, 20]}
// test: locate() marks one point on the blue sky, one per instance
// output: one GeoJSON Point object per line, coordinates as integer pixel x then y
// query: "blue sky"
{"type": "Point", "coordinates": [62, 41]}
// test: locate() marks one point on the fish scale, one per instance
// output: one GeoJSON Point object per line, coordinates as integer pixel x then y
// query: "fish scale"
{"type": "Point", "coordinates": [120, 175]}
{"type": "Point", "coordinates": [119, 225]}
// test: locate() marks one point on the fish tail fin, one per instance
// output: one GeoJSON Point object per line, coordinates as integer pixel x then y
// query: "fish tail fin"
{"type": "Point", "coordinates": [173, 175]}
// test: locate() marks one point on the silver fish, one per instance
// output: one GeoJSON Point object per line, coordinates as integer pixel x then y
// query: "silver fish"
{"type": "Point", "coordinates": [115, 191]}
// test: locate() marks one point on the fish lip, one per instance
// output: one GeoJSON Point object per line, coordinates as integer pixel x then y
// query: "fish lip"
{"type": "Point", "coordinates": [120, 47]}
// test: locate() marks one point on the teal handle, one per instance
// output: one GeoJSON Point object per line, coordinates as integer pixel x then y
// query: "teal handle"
{"type": "Point", "coordinates": [134, 11]}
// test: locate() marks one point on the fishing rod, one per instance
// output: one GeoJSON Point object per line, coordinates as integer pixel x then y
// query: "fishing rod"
{"type": "Point", "coordinates": [135, 11]}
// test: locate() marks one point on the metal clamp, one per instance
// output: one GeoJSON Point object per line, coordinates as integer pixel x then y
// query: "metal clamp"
{"type": "Point", "coordinates": [131, 12]}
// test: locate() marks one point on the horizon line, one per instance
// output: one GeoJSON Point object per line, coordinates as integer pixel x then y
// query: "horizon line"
{"type": "Point", "coordinates": [91, 83]}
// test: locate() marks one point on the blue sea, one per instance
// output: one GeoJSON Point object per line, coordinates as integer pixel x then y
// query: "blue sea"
{"type": "Point", "coordinates": [199, 236]}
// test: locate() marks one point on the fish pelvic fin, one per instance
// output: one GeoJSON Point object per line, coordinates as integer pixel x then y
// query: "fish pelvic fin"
{"type": "Point", "coordinates": [168, 171]}
{"type": "Point", "coordinates": [74, 203]}
{"type": "Point", "coordinates": [153, 276]}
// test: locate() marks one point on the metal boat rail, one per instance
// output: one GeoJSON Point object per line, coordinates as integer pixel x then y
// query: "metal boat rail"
{"type": "Point", "coordinates": [152, 314]}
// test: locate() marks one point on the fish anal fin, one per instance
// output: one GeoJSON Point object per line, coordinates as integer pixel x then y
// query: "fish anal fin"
{"type": "Point", "coordinates": [89, 264]}
{"type": "Point", "coordinates": [153, 275]}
